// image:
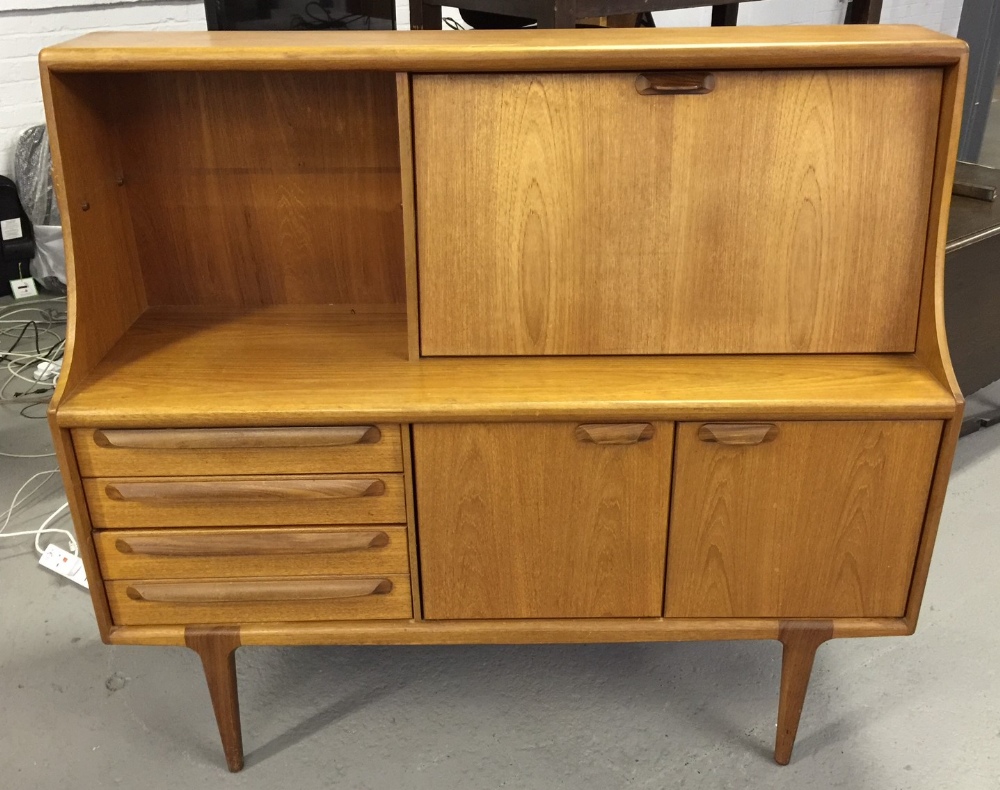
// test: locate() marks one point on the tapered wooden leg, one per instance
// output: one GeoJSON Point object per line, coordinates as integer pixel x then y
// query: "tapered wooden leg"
{"type": "Point", "coordinates": [217, 649]}
{"type": "Point", "coordinates": [799, 642]}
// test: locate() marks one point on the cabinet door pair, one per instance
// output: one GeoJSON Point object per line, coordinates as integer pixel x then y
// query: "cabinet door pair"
{"type": "Point", "coordinates": [785, 519]}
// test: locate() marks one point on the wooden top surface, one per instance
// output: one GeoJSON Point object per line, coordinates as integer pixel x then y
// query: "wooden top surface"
{"type": "Point", "coordinates": [191, 367]}
{"type": "Point", "coordinates": [509, 50]}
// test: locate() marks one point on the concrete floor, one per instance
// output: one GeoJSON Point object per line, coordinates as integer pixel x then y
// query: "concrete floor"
{"type": "Point", "coordinates": [919, 712]}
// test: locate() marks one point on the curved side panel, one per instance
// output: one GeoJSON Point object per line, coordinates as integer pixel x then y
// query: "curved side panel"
{"type": "Point", "coordinates": [932, 340]}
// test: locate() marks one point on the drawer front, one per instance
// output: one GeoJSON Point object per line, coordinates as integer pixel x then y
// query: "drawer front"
{"type": "Point", "coordinates": [180, 602]}
{"type": "Point", "coordinates": [245, 501]}
{"type": "Point", "coordinates": [797, 519]}
{"type": "Point", "coordinates": [767, 215]}
{"type": "Point", "coordinates": [238, 451]}
{"type": "Point", "coordinates": [542, 519]}
{"type": "Point", "coordinates": [265, 551]}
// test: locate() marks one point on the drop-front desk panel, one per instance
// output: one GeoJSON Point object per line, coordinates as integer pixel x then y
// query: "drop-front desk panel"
{"type": "Point", "coordinates": [567, 336]}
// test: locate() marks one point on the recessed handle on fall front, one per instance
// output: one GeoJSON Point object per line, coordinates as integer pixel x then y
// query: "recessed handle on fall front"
{"type": "Point", "coordinates": [674, 83]}
{"type": "Point", "coordinates": [242, 544]}
{"type": "Point", "coordinates": [256, 591]}
{"type": "Point", "coordinates": [244, 490]}
{"type": "Point", "coordinates": [741, 433]}
{"type": "Point", "coordinates": [615, 432]}
{"type": "Point", "coordinates": [236, 438]}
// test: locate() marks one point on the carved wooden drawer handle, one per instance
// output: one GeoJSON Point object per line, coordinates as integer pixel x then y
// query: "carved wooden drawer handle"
{"type": "Point", "coordinates": [244, 490]}
{"type": "Point", "coordinates": [256, 591]}
{"type": "Point", "coordinates": [237, 438]}
{"type": "Point", "coordinates": [738, 433]}
{"type": "Point", "coordinates": [674, 83]}
{"type": "Point", "coordinates": [237, 544]}
{"type": "Point", "coordinates": [615, 433]}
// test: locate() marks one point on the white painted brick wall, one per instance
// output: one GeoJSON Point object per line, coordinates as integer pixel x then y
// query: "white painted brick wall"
{"type": "Point", "coordinates": [940, 15]}
{"type": "Point", "coordinates": [25, 29]}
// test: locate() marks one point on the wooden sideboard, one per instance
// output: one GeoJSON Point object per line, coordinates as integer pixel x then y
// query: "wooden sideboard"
{"type": "Point", "coordinates": [505, 337]}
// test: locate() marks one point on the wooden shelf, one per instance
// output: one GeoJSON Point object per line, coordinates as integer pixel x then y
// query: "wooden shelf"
{"type": "Point", "coordinates": [206, 366]}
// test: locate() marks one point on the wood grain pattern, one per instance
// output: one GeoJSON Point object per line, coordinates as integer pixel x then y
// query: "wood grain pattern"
{"type": "Point", "coordinates": [779, 213]}
{"type": "Point", "coordinates": [509, 50]}
{"type": "Point", "coordinates": [672, 83]}
{"type": "Point", "coordinates": [205, 602]}
{"type": "Point", "coordinates": [822, 522]}
{"type": "Point", "coordinates": [355, 369]}
{"type": "Point", "coordinates": [97, 225]}
{"type": "Point", "coordinates": [738, 433]}
{"type": "Point", "coordinates": [799, 641]}
{"type": "Point", "coordinates": [505, 632]}
{"type": "Point", "coordinates": [245, 501]}
{"type": "Point", "coordinates": [243, 439]}
{"type": "Point", "coordinates": [315, 195]}
{"type": "Point", "coordinates": [932, 341]}
{"type": "Point", "coordinates": [62, 442]}
{"type": "Point", "coordinates": [523, 520]}
{"type": "Point", "coordinates": [265, 551]}
{"type": "Point", "coordinates": [214, 490]}
{"type": "Point", "coordinates": [216, 647]}
{"type": "Point", "coordinates": [213, 591]}
{"type": "Point", "coordinates": [192, 451]}
{"type": "Point", "coordinates": [615, 433]}
{"type": "Point", "coordinates": [404, 106]}
{"type": "Point", "coordinates": [411, 525]}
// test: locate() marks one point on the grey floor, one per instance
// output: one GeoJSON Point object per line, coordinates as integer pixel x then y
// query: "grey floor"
{"type": "Point", "coordinates": [918, 712]}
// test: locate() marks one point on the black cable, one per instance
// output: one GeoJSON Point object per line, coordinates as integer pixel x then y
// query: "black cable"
{"type": "Point", "coordinates": [32, 405]}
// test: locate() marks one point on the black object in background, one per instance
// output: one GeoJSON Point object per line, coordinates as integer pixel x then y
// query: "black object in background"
{"type": "Point", "coordinates": [17, 238]}
{"type": "Point", "coordinates": [300, 14]}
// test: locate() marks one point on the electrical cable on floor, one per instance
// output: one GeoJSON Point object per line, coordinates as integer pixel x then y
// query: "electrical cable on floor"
{"type": "Point", "coordinates": [33, 321]}
{"type": "Point", "coordinates": [44, 528]}
{"type": "Point", "coordinates": [13, 504]}
{"type": "Point", "coordinates": [26, 323]}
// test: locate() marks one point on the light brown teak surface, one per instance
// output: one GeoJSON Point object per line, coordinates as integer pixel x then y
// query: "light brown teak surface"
{"type": "Point", "coordinates": [783, 212]}
{"type": "Point", "coordinates": [324, 367]}
{"type": "Point", "coordinates": [245, 500]}
{"type": "Point", "coordinates": [105, 453]}
{"type": "Point", "coordinates": [179, 602]}
{"type": "Point", "coordinates": [508, 50]}
{"type": "Point", "coordinates": [527, 520]}
{"type": "Point", "coordinates": [260, 551]}
{"type": "Point", "coordinates": [823, 521]}
{"type": "Point", "coordinates": [276, 215]}
{"type": "Point", "coordinates": [317, 203]}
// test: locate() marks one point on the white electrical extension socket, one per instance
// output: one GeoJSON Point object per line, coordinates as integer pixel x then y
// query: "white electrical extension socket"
{"type": "Point", "coordinates": [65, 564]}
{"type": "Point", "coordinates": [47, 371]}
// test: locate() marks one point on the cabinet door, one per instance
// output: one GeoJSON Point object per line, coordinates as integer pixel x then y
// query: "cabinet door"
{"type": "Point", "coordinates": [571, 214]}
{"type": "Point", "coordinates": [542, 520]}
{"type": "Point", "coordinates": [797, 519]}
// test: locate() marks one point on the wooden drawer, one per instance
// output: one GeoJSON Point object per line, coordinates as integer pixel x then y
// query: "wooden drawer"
{"type": "Point", "coordinates": [180, 602]}
{"type": "Point", "coordinates": [776, 213]}
{"type": "Point", "coordinates": [238, 451]}
{"type": "Point", "coordinates": [797, 519]}
{"type": "Point", "coordinates": [245, 501]}
{"type": "Point", "coordinates": [264, 551]}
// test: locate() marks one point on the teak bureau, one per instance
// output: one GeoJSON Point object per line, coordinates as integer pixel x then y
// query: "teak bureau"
{"type": "Point", "coordinates": [569, 336]}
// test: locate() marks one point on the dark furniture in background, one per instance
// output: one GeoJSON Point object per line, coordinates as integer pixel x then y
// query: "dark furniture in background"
{"type": "Point", "coordinates": [565, 13]}
{"type": "Point", "coordinates": [300, 14]}
{"type": "Point", "coordinates": [980, 29]}
{"type": "Point", "coordinates": [972, 285]}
